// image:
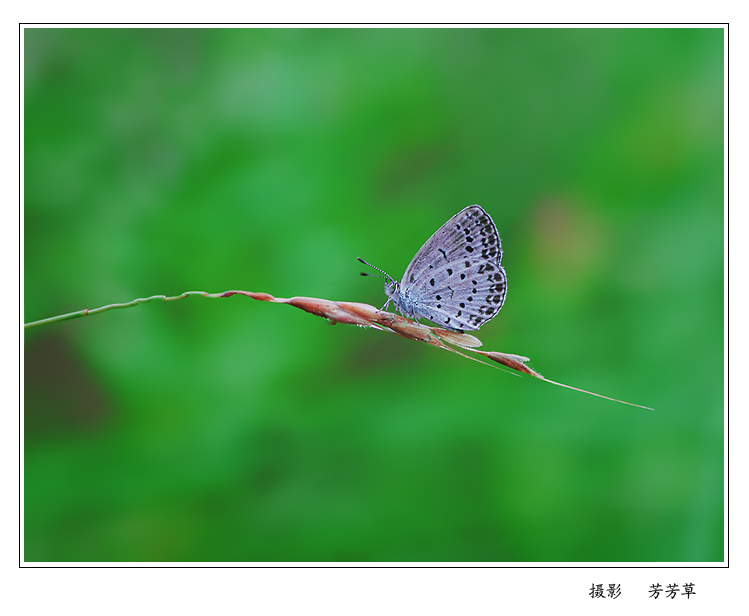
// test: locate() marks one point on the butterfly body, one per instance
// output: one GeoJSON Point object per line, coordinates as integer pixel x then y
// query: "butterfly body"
{"type": "Point", "coordinates": [455, 280]}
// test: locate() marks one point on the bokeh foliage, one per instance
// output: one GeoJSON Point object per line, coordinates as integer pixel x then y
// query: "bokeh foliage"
{"type": "Point", "coordinates": [166, 160]}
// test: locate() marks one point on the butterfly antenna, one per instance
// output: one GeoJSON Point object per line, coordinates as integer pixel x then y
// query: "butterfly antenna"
{"type": "Point", "coordinates": [384, 274]}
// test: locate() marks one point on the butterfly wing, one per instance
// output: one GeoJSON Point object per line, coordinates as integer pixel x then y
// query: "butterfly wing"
{"type": "Point", "coordinates": [456, 280]}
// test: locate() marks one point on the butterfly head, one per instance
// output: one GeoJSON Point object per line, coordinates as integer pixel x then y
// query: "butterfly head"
{"type": "Point", "coordinates": [392, 289]}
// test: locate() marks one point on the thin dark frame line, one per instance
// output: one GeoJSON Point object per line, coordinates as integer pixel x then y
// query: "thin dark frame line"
{"type": "Point", "coordinates": [724, 565]}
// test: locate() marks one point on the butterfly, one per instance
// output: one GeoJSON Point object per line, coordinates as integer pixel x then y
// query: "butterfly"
{"type": "Point", "coordinates": [455, 280]}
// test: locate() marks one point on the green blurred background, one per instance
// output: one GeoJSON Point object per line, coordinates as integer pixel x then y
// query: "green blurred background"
{"type": "Point", "coordinates": [164, 160]}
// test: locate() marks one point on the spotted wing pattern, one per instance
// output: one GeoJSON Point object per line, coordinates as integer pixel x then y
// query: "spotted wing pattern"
{"type": "Point", "coordinates": [456, 280]}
